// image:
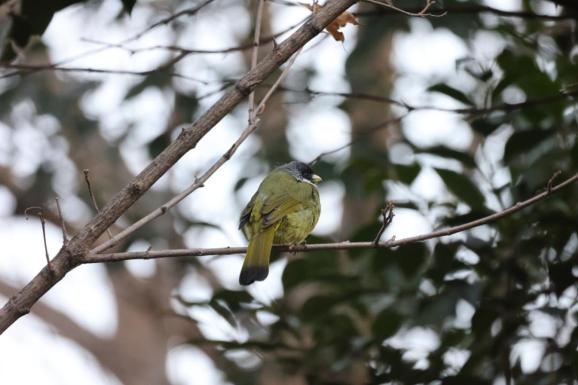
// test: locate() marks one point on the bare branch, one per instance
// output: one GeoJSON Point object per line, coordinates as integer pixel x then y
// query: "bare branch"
{"type": "Point", "coordinates": [472, 111]}
{"type": "Point", "coordinates": [25, 69]}
{"type": "Point", "coordinates": [254, 55]}
{"type": "Point", "coordinates": [552, 179]}
{"type": "Point", "coordinates": [186, 12]}
{"type": "Point", "coordinates": [39, 212]}
{"type": "Point", "coordinates": [86, 173]}
{"type": "Point", "coordinates": [364, 134]}
{"type": "Point", "coordinates": [423, 12]}
{"type": "Point", "coordinates": [470, 8]}
{"type": "Point", "coordinates": [346, 245]}
{"type": "Point", "coordinates": [387, 215]}
{"type": "Point", "coordinates": [62, 222]}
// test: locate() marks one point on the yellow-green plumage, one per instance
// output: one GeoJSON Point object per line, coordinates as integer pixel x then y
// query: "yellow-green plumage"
{"type": "Point", "coordinates": [284, 210]}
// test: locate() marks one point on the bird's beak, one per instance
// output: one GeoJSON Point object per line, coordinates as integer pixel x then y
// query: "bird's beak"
{"type": "Point", "coordinates": [316, 179]}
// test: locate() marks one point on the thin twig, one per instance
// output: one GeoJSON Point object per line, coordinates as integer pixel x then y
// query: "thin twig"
{"type": "Point", "coordinates": [199, 182]}
{"type": "Point", "coordinates": [254, 56]}
{"type": "Point", "coordinates": [25, 69]}
{"type": "Point", "coordinates": [423, 12]}
{"type": "Point", "coordinates": [387, 215]}
{"type": "Point", "coordinates": [346, 245]}
{"type": "Point", "coordinates": [469, 9]}
{"type": "Point", "coordinates": [358, 137]}
{"type": "Point", "coordinates": [472, 111]}
{"type": "Point", "coordinates": [86, 173]}
{"type": "Point", "coordinates": [186, 12]}
{"type": "Point", "coordinates": [552, 179]}
{"type": "Point", "coordinates": [40, 214]}
{"type": "Point", "coordinates": [62, 224]}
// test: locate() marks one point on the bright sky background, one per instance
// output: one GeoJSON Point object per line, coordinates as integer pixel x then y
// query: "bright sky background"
{"type": "Point", "coordinates": [84, 294]}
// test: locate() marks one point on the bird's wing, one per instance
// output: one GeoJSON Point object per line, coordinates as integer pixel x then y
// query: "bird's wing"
{"type": "Point", "coordinates": [246, 213]}
{"type": "Point", "coordinates": [278, 206]}
{"type": "Point", "coordinates": [283, 198]}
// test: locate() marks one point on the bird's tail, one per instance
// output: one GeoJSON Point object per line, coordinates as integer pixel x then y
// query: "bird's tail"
{"type": "Point", "coordinates": [256, 264]}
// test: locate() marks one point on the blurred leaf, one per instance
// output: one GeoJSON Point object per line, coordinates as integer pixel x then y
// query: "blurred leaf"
{"type": "Point", "coordinates": [158, 144]}
{"type": "Point", "coordinates": [561, 276]}
{"type": "Point", "coordinates": [386, 324]}
{"type": "Point", "coordinates": [456, 220]}
{"type": "Point", "coordinates": [446, 152]}
{"type": "Point", "coordinates": [453, 93]}
{"type": "Point", "coordinates": [443, 261]}
{"type": "Point", "coordinates": [521, 142]}
{"type": "Point", "coordinates": [321, 267]}
{"type": "Point", "coordinates": [295, 272]}
{"type": "Point", "coordinates": [31, 18]}
{"type": "Point", "coordinates": [462, 187]}
{"type": "Point", "coordinates": [240, 183]}
{"type": "Point", "coordinates": [486, 126]}
{"type": "Point", "coordinates": [318, 306]}
{"type": "Point", "coordinates": [411, 258]}
{"type": "Point", "coordinates": [223, 310]}
{"type": "Point", "coordinates": [235, 299]}
{"type": "Point", "coordinates": [407, 173]}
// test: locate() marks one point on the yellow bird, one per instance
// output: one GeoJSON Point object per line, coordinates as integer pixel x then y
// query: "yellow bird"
{"type": "Point", "coordinates": [284, 210]}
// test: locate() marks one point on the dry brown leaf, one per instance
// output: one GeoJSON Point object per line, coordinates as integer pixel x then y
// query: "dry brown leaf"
{"type": "Point", "coordinates": [341, 21]}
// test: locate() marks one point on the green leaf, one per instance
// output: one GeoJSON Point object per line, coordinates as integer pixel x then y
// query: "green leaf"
{"type": "Point", "coordinates": [462, 187]}
{"type": "Point", "coordinates": [386, 324]}
{"type": "Point", "coordinates": [295, 272]}
{"type": "Point", "coordinates": [407, 173]}
{"type": "Point", "coordinates": [521, 142]}
{"type": "Point", "coordinates": [487, 126]}
{"type": "Point", "coordinates": [317, 306]}
{"type": "Point", "coordinates": [411, 258]}
{"type": "Point", "coordinates": [452, 93]}
{"type": "Point", "coordinates": [233, 298]}
{"type": "Point", "coordinates": [223, 310]}
{"type": "Point", "coordinates": [446, 152]}
{"type": "Point", "coordinates": [240, 183]}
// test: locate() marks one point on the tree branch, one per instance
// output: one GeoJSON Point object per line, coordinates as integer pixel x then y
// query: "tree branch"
{"type": "Point", "coordinates": [346, 245]}
{"type": "Point", "coordinates": [75, 252]}
{"type": "Point", "coordinates": [473, 111]}
{"type": "Point", "coordinates": [464, 9]}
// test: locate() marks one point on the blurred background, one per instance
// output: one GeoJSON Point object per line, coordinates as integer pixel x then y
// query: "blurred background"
{"type": "Point", "coordinates": [452, 116]}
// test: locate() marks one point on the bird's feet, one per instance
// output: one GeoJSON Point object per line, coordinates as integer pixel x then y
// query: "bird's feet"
{"type": "Point", "coordinates": [293, 248]}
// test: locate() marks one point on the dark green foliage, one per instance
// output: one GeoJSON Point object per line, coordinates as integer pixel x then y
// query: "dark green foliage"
{"type": "Point", "coordinates": [476, 293]}
{"type": "Point", "coordinates": [462, 187]}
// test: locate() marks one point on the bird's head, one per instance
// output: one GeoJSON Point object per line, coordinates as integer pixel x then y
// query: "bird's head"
{"type": "Point", "coordinates": [302, 171]}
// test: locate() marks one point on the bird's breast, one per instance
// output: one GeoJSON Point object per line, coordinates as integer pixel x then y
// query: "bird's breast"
{"type": "Point", "coordinates": [295, 227]}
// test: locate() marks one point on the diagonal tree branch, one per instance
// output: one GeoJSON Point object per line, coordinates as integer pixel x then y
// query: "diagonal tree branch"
{"type": "Point", "coordinates": [73, 254]}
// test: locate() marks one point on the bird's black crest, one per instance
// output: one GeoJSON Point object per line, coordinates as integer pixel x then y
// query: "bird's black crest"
{"type": "Point", "coordinates": [299, 169]}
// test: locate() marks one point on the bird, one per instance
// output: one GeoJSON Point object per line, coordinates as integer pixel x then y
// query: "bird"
{"type": "Point", "coordinates": [284, 210]}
